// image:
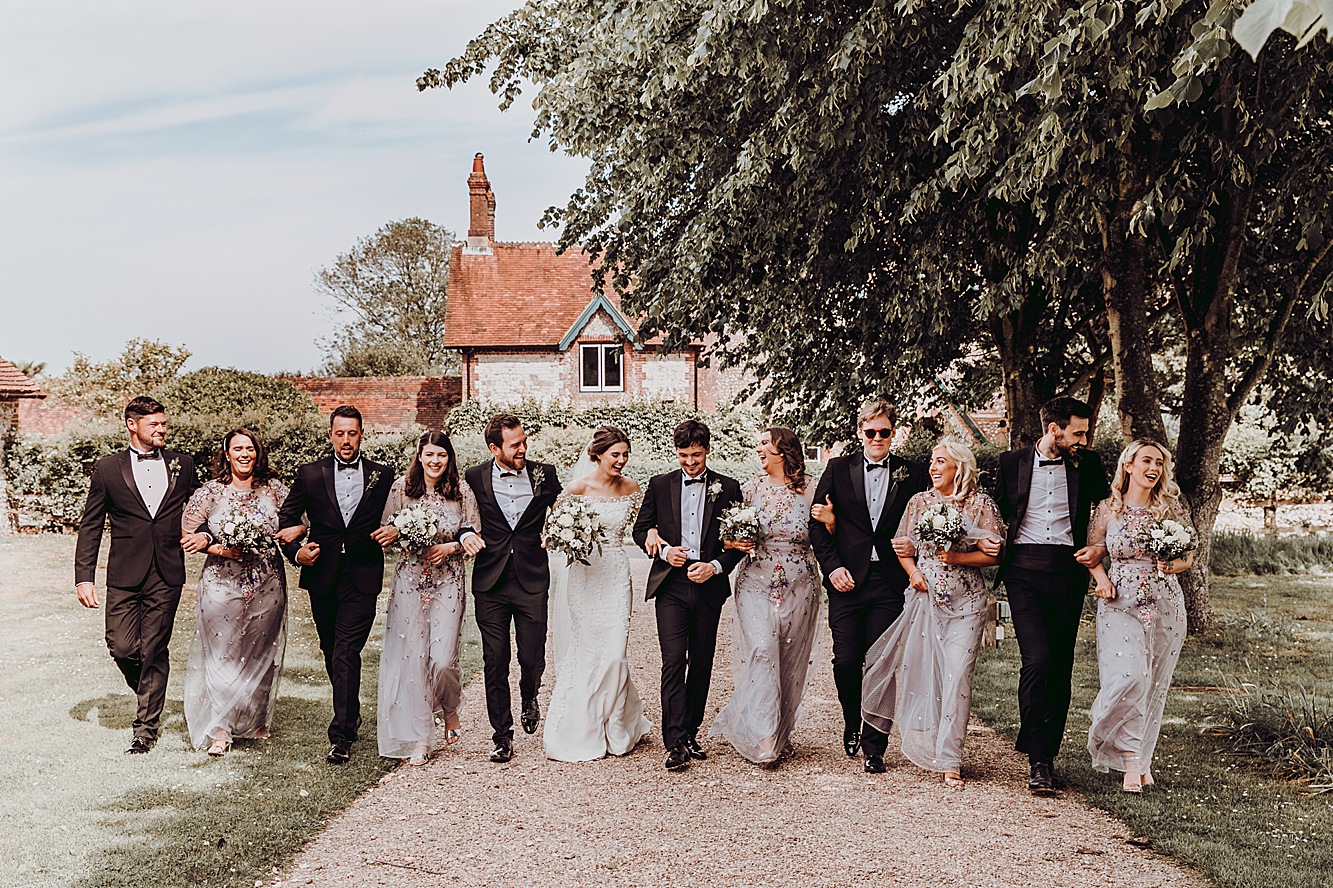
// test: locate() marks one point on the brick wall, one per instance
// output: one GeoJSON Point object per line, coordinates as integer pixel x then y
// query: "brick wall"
{"type": "Point", "coordinates": [47, 417]}
{"type": "Point", "coordinates": [386, 401]}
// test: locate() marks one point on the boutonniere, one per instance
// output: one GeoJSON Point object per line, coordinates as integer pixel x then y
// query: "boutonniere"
{"type": "Point", "coordinates": [901, 474]}
{"type": "Point", "coordinates": [538, 477]}
{"type": "Point", "coordinates": [714, 491]}
{"type": "Point", "coordinates": [173, 467]}
{"type": "Point", "coordinates": [374, 479]}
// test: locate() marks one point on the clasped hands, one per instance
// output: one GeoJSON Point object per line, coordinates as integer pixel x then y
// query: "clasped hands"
{"type": "Point", "coordinates": [676, 556]}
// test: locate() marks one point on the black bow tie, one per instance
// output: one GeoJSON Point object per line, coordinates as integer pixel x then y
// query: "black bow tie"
{"type": "Point", "coordinates": [689, 480]}
{"type": "Point", "coordinates": [1043, 463]}
{"type": "Point", "coordinates": [140, 457]}
{"type": "Point", "coordinates": [347, 466]}
{"type": "Point", "coordinates": [870, 467]}
{"type": "Point", "coordinates": [504, 474]}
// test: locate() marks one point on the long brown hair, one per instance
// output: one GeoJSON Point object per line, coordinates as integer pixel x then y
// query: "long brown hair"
{"type": "Point", "coordinates": [415, 484]}
{"type": "Point", "coordinates": [792, 454]}
{"type": "Point", "coordinates": [222, 466]}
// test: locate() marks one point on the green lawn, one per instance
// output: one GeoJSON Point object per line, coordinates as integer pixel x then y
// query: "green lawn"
{"type": "Point", "coordinates": [79, 812]}
{"type": "Point", "coordinates": [1217, 811]}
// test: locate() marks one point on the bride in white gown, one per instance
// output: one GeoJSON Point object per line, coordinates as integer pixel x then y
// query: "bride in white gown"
{"type": "Point", "coordinates": [595, 708]}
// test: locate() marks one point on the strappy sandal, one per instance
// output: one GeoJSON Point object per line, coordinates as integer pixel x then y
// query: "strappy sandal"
{"type": "Point", "coordinates": [954, 781]}
{"type": "Point", "coordinates": [418, 760]}
{"type": "Point", "coordinates": [1135, 788]}
{"type": "Point", "coordinates": [220, 747]}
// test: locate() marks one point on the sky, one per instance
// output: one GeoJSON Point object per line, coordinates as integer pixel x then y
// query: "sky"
{"type": "Point", "coordinates": [179, 171]}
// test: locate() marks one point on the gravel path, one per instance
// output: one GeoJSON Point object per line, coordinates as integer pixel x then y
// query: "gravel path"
{"type": "Point", "coordinates": [817, 821]}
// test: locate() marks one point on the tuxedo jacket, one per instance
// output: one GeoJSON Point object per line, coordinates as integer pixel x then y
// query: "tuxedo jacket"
{"type": "Point", "coordinates": [521, 544]}
{"type": "Point", "coordinates": [137, 538]}
{"type": "Point", "coordinates": [346, 547]}
{"type": "Point", "coordinates": [849, 546]}
{"type": "Point", "coordinates": [661, 509]}
{"type": "Point", "coordinates": [1087, 487]}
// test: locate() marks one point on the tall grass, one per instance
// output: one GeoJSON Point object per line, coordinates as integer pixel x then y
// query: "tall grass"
{"type": "Point", "coordinates": [1237, 554]}
{"type": "Point", "coordinates": [1290, 730]}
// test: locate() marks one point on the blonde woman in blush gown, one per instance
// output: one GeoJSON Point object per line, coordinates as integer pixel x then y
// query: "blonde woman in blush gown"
{"type": "Point", "coordinates": [419, 673]}
{"type": "Point", "coordinates": [777, 607]}
{"type": "Point", "coordinates": [231, 679]}
{"type": "Point", "coordinates": [1140, 615]}
{"type": "Point", "coordinates": [920, 672]}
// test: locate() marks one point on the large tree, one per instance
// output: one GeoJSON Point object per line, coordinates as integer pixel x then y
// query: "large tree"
{"type": "Point", "coordinates": [393, 287]}
{"type": "Point", "coordinates": [882, 192]}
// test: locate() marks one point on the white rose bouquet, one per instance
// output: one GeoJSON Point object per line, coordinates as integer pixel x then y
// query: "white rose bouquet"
{"type": "Point", "coordinates": [574, 529]}
{"type": "Point", "coordinates": [740, 523]}
{"type": "Point", "coordinates": [1167, 540]}
{"type": "Point", "coordinates": [942, 526]}
{"type": "Point", "coordinates": [245, 530]}
{"type": "Point", "coordinates": [417, 526]}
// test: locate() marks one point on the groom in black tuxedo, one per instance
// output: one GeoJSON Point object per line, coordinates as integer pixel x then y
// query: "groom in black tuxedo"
{"type": "Point", "coordinates": [678, 527]}
{"type": "Point", "coordinates": [511, 577]}
{"type": "Point", "coordinates": [867, 492]}
{"type": "Point", "coordinates": [342, 563]}
{"type": "Point", "coordinates": [142, 490]}
{"type": "Point", "coordinates": [1047, 493]}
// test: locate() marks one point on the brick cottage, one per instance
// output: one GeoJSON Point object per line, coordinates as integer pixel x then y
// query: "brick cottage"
{"type": "Point", "coordinates": [529, 326]}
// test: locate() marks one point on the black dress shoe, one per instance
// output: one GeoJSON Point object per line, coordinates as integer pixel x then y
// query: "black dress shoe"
{"type": "Point", "coordinates": [140, 745]}
{"type": "Point", "coordinates": [694, 749]}
{"type": "Point", "coordinates": [503, 751]}
{"type": "Point", "coordinates": [339, 754]}
{"type": "Point", "coordinates": [1041, 781]}
{"type": "Point", "coordinates": [851, 740]}
{"type": "Point", "coordinates": [875, 764]}
{"type": "Point", "coordinates": [678, 758]}
{"type": "Point", "coordinates": [530, 716]}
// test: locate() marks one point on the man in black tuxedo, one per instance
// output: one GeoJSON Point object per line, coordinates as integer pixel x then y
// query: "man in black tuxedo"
{"type": "Point", "coordinates": [511, 577]}
{"type": "Point", "coordinates": [142, 490]}
{"type": "Point", "coordinates": [342, 563]}
{"type": "Point", "coordinates": [867, 492]}
{"type": "Point", "coordinates": [678, 527]}
{"type": "Point", "coordinates": [1047, 494]}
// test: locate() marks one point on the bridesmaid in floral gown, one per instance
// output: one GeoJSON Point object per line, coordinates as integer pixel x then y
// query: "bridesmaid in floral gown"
{"type": "Point", "coordinates": [419, 672]}
{"type": "Point", "coordinates": [231, 680]}
{"type": "Point", "coordinates": [777, 598]}
{"type": "Point", "coordinates": [920, 672]}
{"type": "Point", "coordinates": [1141, 614]}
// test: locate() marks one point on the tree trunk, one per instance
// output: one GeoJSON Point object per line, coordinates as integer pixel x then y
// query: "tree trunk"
{"type": "Point", "coordinates": [1013, 333]}
{"type": "Point", "coordinates": [8, 419]}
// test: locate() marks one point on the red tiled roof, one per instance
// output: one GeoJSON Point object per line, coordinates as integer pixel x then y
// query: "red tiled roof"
{"type": "Point", "coordinates": [521, 295]}
{"type": "Point", "coordinates": [13, 384]}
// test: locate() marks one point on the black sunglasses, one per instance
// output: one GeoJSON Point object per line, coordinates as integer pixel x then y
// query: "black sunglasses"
{"type": "Point", "coordinates": [886, 434]}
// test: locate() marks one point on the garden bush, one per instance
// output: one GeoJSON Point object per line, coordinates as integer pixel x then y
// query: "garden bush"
{"type": "Point", "coordinates": [1236, 554]}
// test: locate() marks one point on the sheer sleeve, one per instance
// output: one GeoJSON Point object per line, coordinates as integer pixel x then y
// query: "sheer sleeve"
{"type": "Point", "coordinates": [203, 502]}
{"type": "Point", "coordinates": [1100, 519]}
{"type": "Point", "coordinates": [911, 515]}
{"type": "Point", "coordinates": [985, 514]}
{"type": "Point", "coordinates": [747, 491]}
{"type": "Point", "coordinates": [471, 514]}
{"type": "Point", "coordinates": [397, 499]}
{"type": "Point", "coordinates": [1180, 512]}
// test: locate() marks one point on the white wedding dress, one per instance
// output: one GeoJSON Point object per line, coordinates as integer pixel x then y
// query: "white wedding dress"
{"type": "Point", "coordinates": [595, 709]}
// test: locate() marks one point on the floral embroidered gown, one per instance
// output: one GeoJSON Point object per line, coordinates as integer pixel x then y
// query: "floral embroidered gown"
{"type": "Point", "coordinates": [231, 679]}
{"type": "Point", "coordinates": [920, 672]}
{"type": "Point", "coordinates": [1139, 636]}
{"type": "Point", "coordinates": [778, 598]}
{"type": "Point", "coordinates": [419, 672]}
{"type": "Point", "coordinates": [595, 709]}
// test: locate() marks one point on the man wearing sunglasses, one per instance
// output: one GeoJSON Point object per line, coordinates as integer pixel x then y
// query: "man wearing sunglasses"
{"type": "Point", "coordinates": [867, 491]}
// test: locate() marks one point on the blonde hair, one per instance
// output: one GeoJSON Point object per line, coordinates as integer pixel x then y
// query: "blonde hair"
{"type": "Point", "coordinates": [874, 410]}
{"type": "Point", "coordinates": [1164, 494]}
{"type": "Point", "coordinates": [965, 479]}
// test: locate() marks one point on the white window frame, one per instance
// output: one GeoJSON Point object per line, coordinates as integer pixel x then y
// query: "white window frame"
{"type": "Point", "coordinates": [602, 348]}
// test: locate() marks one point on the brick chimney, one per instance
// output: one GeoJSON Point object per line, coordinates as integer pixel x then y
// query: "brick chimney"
{"type": "Point", "coordinates": [481, 231]}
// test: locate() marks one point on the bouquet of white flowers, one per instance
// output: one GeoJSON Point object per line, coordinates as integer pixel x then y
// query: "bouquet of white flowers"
{"type": "Point", "coordinates": [417, 526]}
{"type": "Point", "coordinates": [245, 530]}
{"type": "Point", "coordinates": [941, 525]}
{"type": "Point", "coordinates": [573, 528]}
{"type": "Point", "coordinates": [1167, 540]}
{"type": "Point", "coordinates": [740, 523]}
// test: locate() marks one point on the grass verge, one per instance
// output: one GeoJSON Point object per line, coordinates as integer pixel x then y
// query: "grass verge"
{"type": "Point", "coordinates": [1213, 808]}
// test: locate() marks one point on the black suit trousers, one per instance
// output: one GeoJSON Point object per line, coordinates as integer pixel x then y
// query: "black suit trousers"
{"type": "Point", "coordinates": [687, 618]}
{"type": "Point", "coordinates": [138, 631]}
{"type": "Point", "coordinates": [1046, 606]}
{"type": "Point", "coordinates": [857, 619]}
{"type": "Point", "coordinates": [505, 603]}
{"type": "Point", "coordinates": [343, 617]}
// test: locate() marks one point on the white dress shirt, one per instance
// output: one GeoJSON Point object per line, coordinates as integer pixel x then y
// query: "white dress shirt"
{"type": "Point", "coordinates": [348, 486]}
{"type": "Point", "coordinates": [878, 483]}
{"type": "Point", "coordinates": [692, 499]}
{"type": "Point", "coordinates": [1047, 520]}
{"type": "Point", "coordinates": [513, 492]}
{"type": "Point", "coordinates": [150, 476]}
